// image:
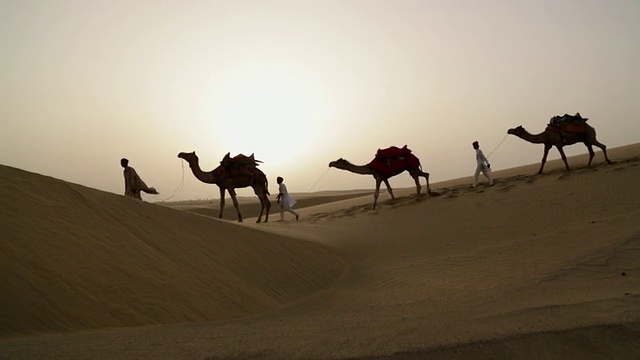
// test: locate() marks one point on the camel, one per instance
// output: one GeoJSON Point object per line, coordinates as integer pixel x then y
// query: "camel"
{"type": "Point", "coordinates": [231, 180]}
{"type": "Point", "coordinates": [384, 168]}
{"type": "Point", "coordinates": [550, 138]}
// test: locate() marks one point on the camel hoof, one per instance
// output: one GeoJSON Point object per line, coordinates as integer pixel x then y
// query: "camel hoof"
{"type": "Point", "coordinates": [258, 221]}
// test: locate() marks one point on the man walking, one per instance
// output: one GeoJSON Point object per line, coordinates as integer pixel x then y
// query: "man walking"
{"type": "Point", "coordinates": [483, 166]}
{"type": "Point", "coordinates": [133, 184]}
{"type": "Point", "coordinates": [285, 200]}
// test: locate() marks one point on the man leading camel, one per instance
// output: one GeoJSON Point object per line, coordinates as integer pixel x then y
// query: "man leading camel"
{"type": "Point", "coordinates": [483, 165]}
{"type": "Point", "coordinates": [285, 200]}
{"type": "Point", "coordinates": [133, 185]}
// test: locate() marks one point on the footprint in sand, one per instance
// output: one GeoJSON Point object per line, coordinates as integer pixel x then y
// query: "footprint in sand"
{"type": "Point", "coordinates": [617, 169]}
{"type": "Point", "coordinates": [506, 188]}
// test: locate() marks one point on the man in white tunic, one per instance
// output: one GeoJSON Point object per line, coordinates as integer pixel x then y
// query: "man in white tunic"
{"type": "Point", "coordinates": [285, 200]}
{"type": "Point", "coordinates": [483, 165]}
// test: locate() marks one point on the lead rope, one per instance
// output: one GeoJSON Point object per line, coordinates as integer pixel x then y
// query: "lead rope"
{"type": "Point", "coordinates": [496, 148]}
{"type": "Point", "coordinates": [175, 192]}
{"type": "Point", "coordinates": [316, 183]}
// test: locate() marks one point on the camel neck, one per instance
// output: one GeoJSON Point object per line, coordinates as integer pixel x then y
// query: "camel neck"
{"type": "Point", "coordinates": [535, 139]}
{"type": "Point", "coordinates": [205, 177]}
{"type": "Point", "coordinates": [359, 169]}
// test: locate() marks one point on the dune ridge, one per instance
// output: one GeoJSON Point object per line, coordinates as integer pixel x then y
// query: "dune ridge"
{"type": "Point", "coordinates": [75, 258]}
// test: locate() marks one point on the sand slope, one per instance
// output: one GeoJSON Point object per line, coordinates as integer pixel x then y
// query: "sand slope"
{"type": "Point", "coordinates": [533, 267]}
{"type": "Point", "coordinates": [73, 258]}
{"type": "Point", "coordinates": [250, 207]}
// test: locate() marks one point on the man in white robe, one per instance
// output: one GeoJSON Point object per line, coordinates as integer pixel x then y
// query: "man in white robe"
{"type": "Point", "coordinates": [483, 166]}
{"type": "Point", "coordinates": [285, 200]}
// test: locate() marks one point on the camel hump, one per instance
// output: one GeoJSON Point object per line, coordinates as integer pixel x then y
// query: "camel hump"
{"type": "Point", "coordinates": [393, 152]}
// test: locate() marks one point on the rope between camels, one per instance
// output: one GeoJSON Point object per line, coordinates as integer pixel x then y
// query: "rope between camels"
{"type": "Point", "coordinates": [175, 192]}
{"type": "Point", "coordinates": [316, 183]}
{"type": "Point", "coordinates": [496, 148]}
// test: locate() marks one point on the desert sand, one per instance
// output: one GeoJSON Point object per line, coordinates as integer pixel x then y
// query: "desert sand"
{"type": "Point", "coordinates": [533, 267]}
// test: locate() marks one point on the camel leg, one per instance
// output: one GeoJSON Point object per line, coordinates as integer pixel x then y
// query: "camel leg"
{"type": "Point", "coordinates": [232, 192]}
{"type": "Point", "coordinates": [376, 193]}
{"type": "Point", "coordinates": [426, 176]}
{"type": "Point", "coordinates": [264, 203]}
{"type": "Point", "coordinates": [544, 157]}
{"type": "Point", "coordinates": [591, 154]}
{"type": "Point", "coordinates": [261, 209]}
{"type": "Point", "coordinates": [221, 202]}
{"type": "Point", "coordinates": [564, 157]}
{"type": "Point", "coordinates": [389, 189]}
{"type": "Point", "coordinates": [604, 150]}
{"type": "Point", "coordinates": [416, 178]}
{"type": "Point", "coordinates": [267, 205]}
{"type": "Point", "coordinates": [261, 204]}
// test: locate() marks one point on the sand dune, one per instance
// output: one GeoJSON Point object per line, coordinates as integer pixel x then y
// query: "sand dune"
{"type": "Point", "coordinates": [250, 207]}
{"type": "Point", "coordinates": [533, 267]}
{"type": "Point", "coordinates": [74, 258]}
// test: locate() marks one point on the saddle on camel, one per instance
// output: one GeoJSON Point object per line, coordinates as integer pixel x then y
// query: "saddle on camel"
{"type": "Point", "coordinates": [385, 164]}
{"type": "Point", "coordinates": [568, 124]}
{"type": "Point", "coordinates": [239, 165]}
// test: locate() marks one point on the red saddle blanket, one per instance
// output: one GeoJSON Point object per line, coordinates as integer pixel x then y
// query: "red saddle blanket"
{"type": "Point", "coordinates": [576, 128]}
{"type": "Point", "coordinates": [393, 160]}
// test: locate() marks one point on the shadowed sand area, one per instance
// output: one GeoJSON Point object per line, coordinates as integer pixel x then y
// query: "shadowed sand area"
{"type": "Point", "coordinates": [533, 267]}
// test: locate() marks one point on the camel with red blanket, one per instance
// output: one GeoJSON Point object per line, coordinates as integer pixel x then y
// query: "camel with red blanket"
{"type": "Point", "coordinates": [387, 163]}
{"type": "Point", "coordinates": [563, 130]}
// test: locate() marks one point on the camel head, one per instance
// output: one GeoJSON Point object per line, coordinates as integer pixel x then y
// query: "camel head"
{"type": "Point", "coordinates": [190, 157]}
{"type": "Point", "coordinates": [516, 131]}
{"type": "Point", "coordinates": [340, 164]}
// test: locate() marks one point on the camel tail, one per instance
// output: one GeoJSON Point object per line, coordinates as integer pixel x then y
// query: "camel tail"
{"type": "Point", "coordinates": [266, 186]}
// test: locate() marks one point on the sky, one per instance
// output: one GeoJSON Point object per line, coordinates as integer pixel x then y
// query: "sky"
{"type": "Point", "coordinates": [302, 83]}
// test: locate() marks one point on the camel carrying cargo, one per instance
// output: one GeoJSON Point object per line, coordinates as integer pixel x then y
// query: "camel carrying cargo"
{"type": "Point", "coordinates": [233, 174]}
{"type": "Point", "coordinates": [387, 163]}
{"type": "Point", "coordinates": [557, 135]}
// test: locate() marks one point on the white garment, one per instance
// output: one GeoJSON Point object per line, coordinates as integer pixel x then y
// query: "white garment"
{"type": "Point", "coordinates": [286, 200]}
{"type": "Point", "coordinates": [480, 158]}
{"type": "Point", "coordinates": [483, 167]}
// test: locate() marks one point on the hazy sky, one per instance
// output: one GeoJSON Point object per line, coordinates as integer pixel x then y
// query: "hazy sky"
{"type": "Point", "coordinates": [302, 83]}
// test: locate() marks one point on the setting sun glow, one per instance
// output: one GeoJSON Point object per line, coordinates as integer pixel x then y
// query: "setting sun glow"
{"type": "Point", "coordinates": [271, 110]}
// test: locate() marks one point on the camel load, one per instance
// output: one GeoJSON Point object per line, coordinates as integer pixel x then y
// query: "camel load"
{"type": "Point", "coordinates": [239, 165]}
{"type": "Point", "coordinates": [568, 123]}
{"type": "Point", "coordinates": [239, 162]}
